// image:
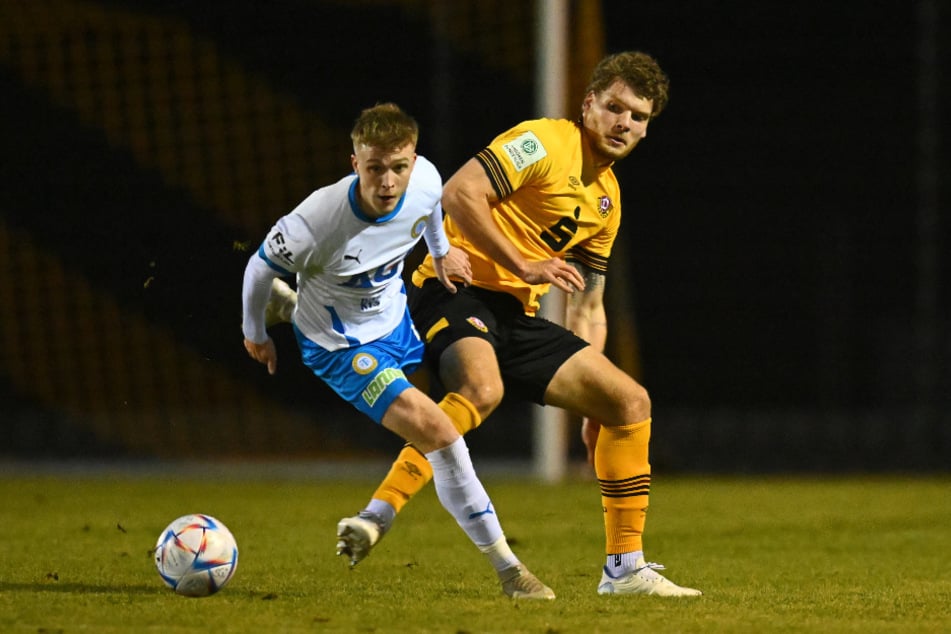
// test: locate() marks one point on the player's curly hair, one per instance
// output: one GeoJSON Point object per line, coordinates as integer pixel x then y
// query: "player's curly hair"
{"type": "Point", "coordinates": [385, 125]}
{"type": "Point", "coordinates": [638, 70]}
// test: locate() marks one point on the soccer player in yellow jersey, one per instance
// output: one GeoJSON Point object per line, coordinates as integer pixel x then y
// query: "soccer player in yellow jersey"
{"type": "Point", "coordinates": [541, 206]}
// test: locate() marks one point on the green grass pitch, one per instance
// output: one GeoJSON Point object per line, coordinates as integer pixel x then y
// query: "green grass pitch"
{"type": "Point", "coordinates": [822, 554]}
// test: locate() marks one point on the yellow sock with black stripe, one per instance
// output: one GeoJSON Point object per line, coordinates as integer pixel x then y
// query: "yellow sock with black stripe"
{"type": "Point", "coordinates": [411, 471]}
{"type": "Point", "coordinates": [624, 473]}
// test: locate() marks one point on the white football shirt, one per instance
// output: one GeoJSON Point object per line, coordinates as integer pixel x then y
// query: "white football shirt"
{"type": "Point", "coordinates": [349, 266]}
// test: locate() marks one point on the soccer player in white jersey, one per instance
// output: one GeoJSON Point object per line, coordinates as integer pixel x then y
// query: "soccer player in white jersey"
{"type": "Point", "coordinates": [346, 244]}
{"type": "Point", "coordinates": [541, 206]}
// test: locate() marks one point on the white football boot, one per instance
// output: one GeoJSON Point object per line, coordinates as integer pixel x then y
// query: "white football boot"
{"type": "Point", "coordinates": [356, 536]}
{"type": "Point", "coordinates": [644, 580]}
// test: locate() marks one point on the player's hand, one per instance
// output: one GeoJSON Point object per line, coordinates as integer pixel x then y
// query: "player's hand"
{"type": "Point", "coordinates": [556, 272]}
{"type": "Point", "coordinates": [265, 353]}
{"type": "Point", "coordinates": [454, 264]}
{"type": "Point", "coordinates": [589, 435]}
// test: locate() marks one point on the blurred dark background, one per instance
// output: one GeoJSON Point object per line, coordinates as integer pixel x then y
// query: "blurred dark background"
{"type": "Point", "coordinates": [781, 284]}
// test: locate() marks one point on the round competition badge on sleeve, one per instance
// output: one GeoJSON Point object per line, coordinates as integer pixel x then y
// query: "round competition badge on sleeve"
{"type": "Point", "coordinates": [363, 363]}
{"type": "Point", "coordinates": [418, 227]}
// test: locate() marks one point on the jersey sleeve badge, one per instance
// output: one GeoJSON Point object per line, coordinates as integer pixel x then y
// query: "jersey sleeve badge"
{"type": "Point", "coordinates": [525, 150]}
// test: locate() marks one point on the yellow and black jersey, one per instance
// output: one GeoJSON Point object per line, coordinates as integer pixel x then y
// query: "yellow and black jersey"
{"type": "Point", "coordinates": [547, 206]}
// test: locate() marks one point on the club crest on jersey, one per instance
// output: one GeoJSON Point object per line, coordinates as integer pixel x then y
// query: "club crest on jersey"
{"type": "Point", "coordinates": [418, 227]}
{"type": "Point", "coordinates": [478, 324]}
{"type": "Point", "coordinates": [604, 206]}
{"type": "Point", "coordinates": [363, 363]}
{"type": "Point", "coordinates": [524, 150]}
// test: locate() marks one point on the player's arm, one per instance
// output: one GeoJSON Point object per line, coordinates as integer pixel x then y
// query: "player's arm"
{"type": "Point", "coordinates": [286, 246]}
{"type": "Point", "coordinates": [586, 316]}
{"type": "Point", "coordinates": [254, 295]}
{"type": "Point", "coordinates": [468, 197]}
{"type": "Point", "coordinates": [448, 261]}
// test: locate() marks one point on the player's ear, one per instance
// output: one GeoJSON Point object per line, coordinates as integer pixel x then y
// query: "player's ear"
{"type": "Point", "coordinates": [587, 101]}
{"type": "Point", "coordinates": [353, 162]}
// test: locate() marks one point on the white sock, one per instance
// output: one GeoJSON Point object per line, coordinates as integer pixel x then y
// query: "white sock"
{"type": "Point", "coordinates": [462, 494]}
{"type": "Point", "coordinates": [500, 555]}
{"type": "Point", "coordinates": [622, 563]}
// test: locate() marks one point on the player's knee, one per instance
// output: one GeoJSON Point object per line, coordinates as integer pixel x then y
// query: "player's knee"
{"type": "Point", "coordinates": [419, 421]}
{"type": "Point", "coordinates": [639, 404]}
{"type": "Point", "coordinates": [634, 405]}
{"type": "Point", "coordinates": [434, 432]}
{"type": "Point", "coordinates": [485, 397]}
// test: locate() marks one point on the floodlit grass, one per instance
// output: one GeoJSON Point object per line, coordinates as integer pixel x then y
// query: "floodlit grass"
{"type": "Point", "coordinates": [783, 555]}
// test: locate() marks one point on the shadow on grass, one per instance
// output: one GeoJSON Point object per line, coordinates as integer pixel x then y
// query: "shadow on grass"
{"type": "Point", "coordinates": [81, 588]}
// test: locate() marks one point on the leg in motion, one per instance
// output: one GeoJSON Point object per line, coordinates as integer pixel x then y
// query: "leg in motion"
{"type": "Point", "coordinates": [426, 426]}
{"type": "Point", "coordinates": [465, 363]}
{"type": "Point", "coordinates": [624, 475]}
{"type": "Point", "coordinates": [410, 472]}
{"type": "Point", "coordinates": [590, 385]}
{"type": "Point", "coordinates": [458, 487]}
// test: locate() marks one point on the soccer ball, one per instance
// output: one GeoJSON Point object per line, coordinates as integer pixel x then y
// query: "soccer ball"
{"type": "Point", "coordinates": [196, 555]}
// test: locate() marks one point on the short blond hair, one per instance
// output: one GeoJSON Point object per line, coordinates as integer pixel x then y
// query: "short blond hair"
{"type": "Point", "coordinates": [386, 126]}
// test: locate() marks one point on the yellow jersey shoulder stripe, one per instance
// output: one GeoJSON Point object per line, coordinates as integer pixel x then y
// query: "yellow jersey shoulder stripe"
{"type": "Point", "coordinates": [591, 260]}
{"type": "Point", "coordinates": [493, 168]}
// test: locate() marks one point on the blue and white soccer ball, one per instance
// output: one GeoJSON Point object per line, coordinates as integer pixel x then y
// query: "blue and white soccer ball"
{"type": "Point", "coordinates": [196, 555]}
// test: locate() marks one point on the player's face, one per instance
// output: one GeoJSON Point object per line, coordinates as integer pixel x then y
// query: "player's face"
{"type": "Point", "coordinates": [616, 120]}
{"type": "Point", "coordinates": [384, 176]}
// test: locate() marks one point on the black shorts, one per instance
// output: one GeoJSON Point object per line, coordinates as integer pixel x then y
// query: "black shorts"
{"type": "Point", "coordinates": [529, 349]}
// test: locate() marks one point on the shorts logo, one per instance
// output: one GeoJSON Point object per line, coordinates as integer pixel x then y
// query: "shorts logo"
{"type": "Point", "coordinates": [477, 323]}
{"type": "Point", "coordinates": [525, 150]}
{"type": "Point", "coordinates": [363, 363]}
{"type": "Point", "coordinates": [379, 384]}
{"type": "Point", "coordinates": [604, 206]}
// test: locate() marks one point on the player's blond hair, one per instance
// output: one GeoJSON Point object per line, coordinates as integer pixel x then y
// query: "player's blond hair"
{"type": "Point", "coordinates": [385, 126]}
{"type": "Point", "coordinates": [639, 71]}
